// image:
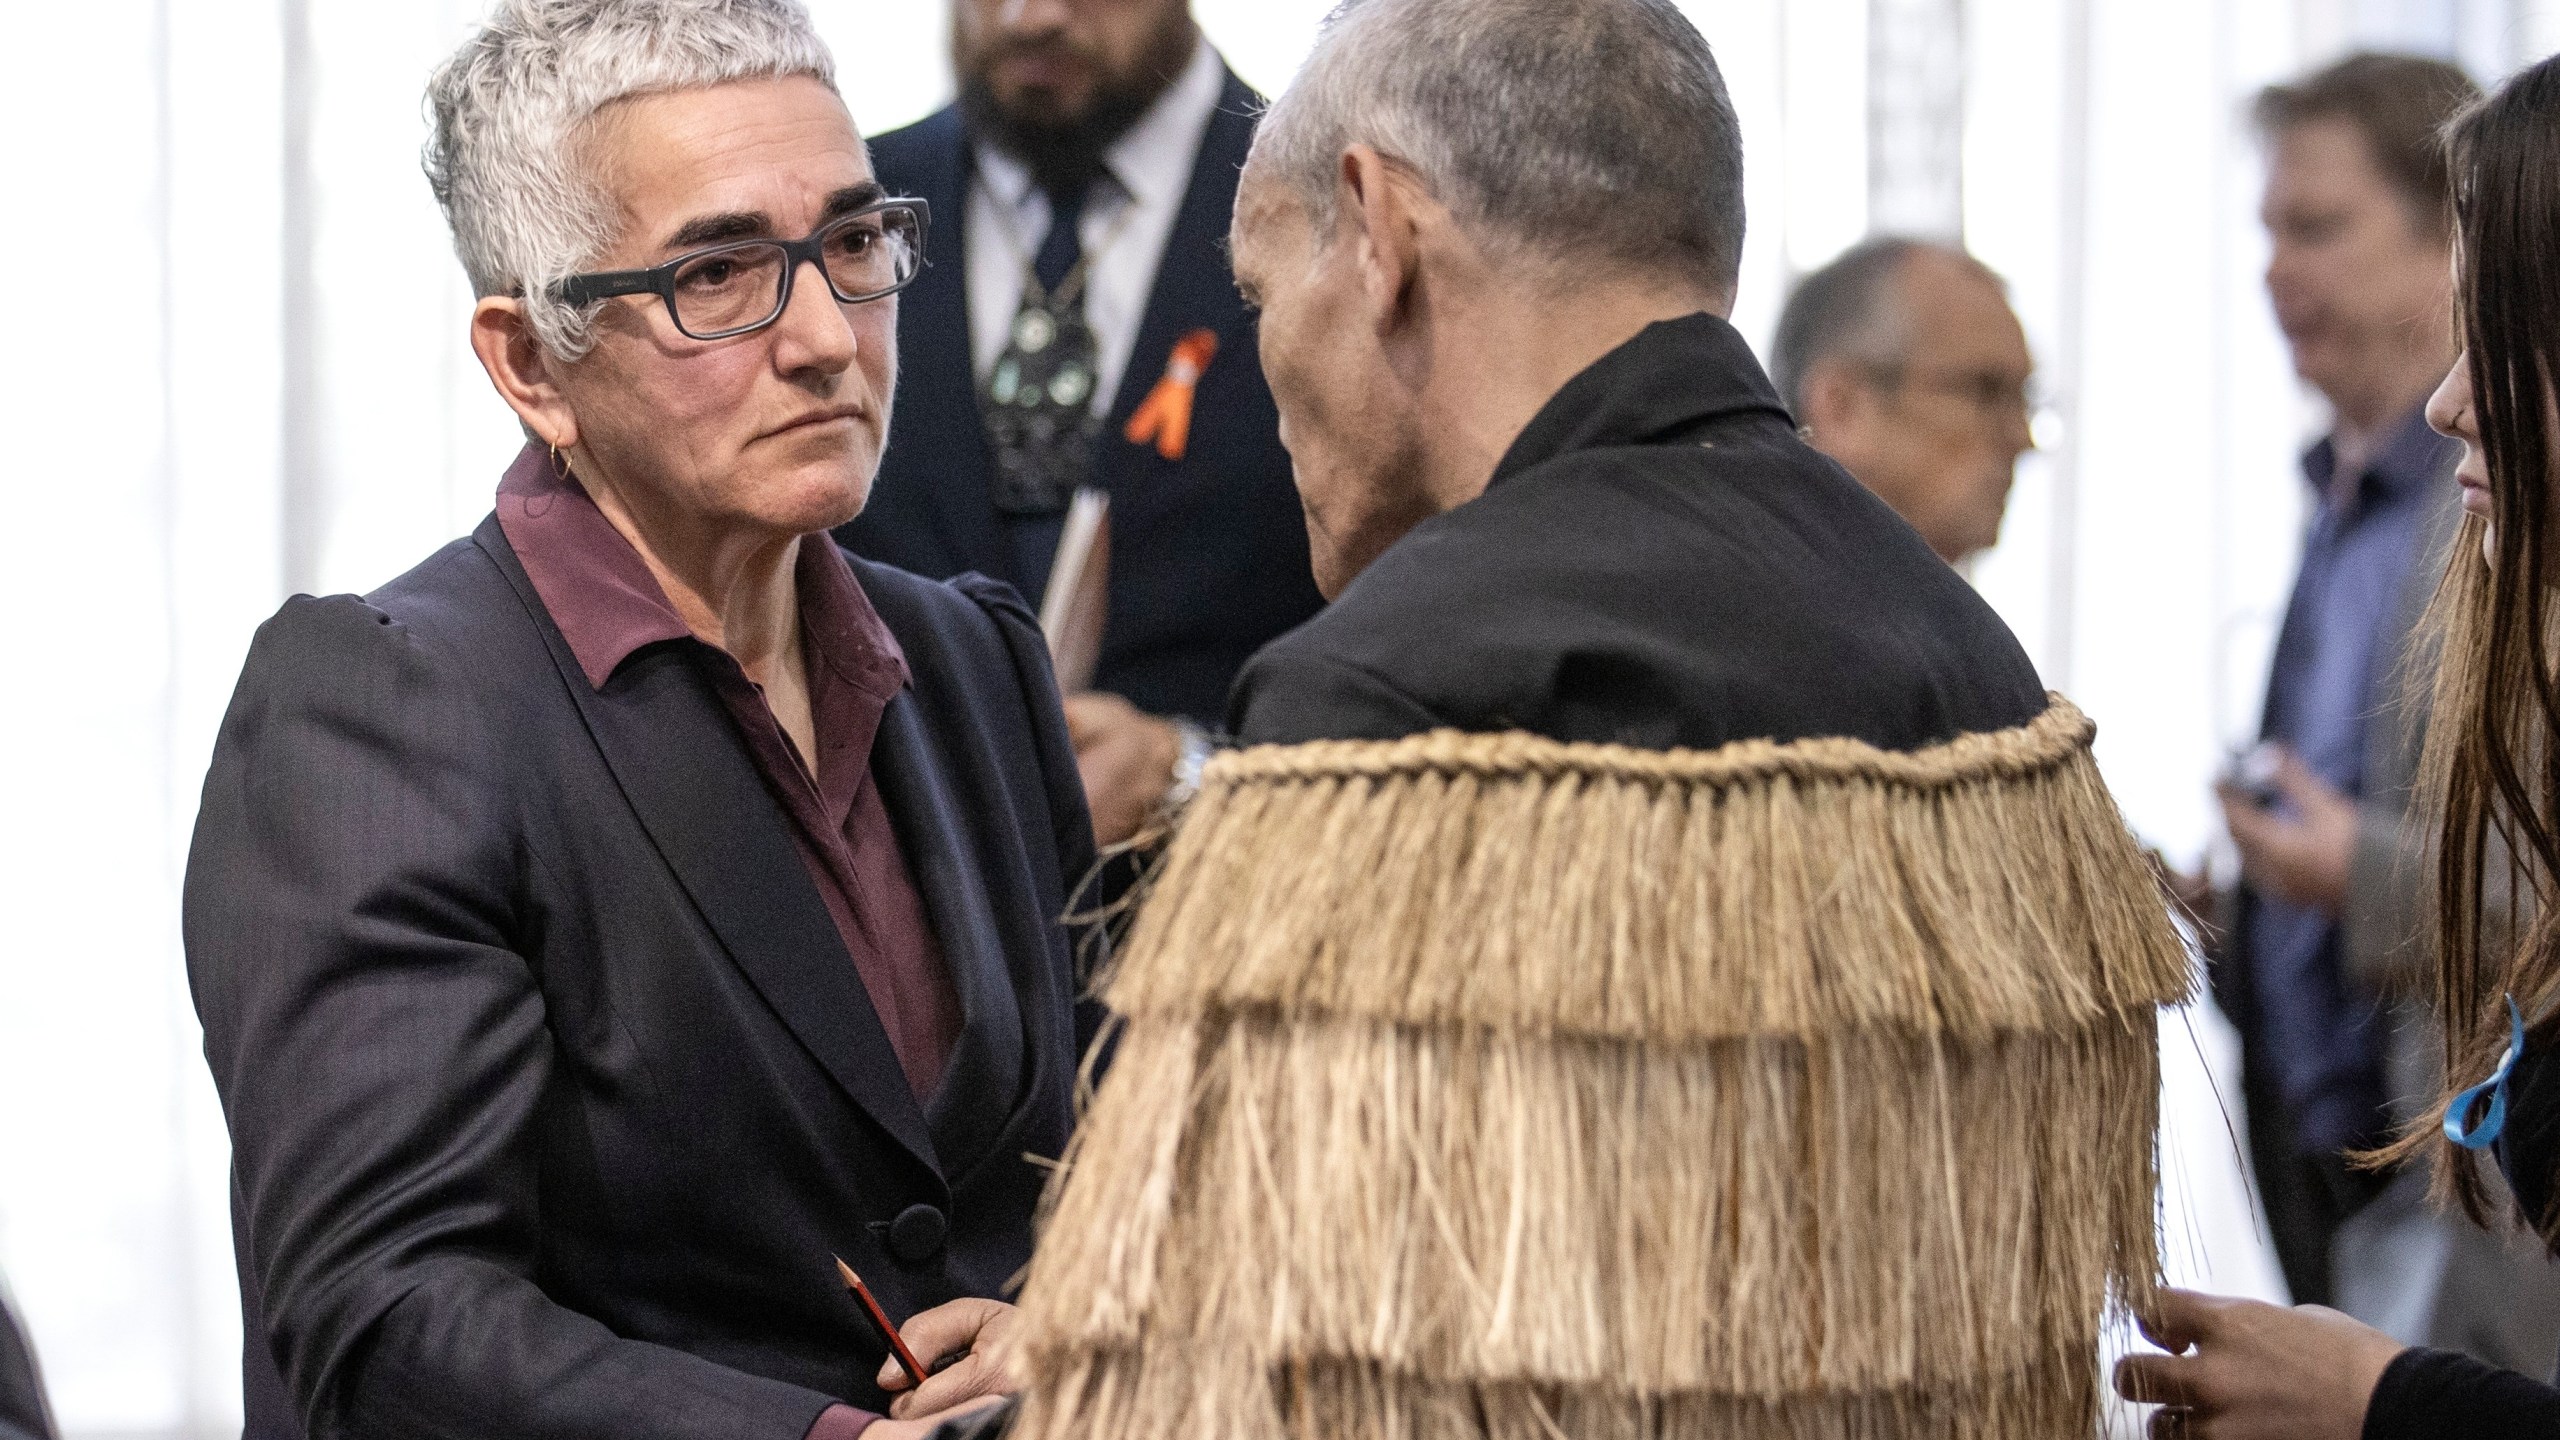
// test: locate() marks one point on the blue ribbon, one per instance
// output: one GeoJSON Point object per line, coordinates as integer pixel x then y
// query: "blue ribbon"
{"type": "Point", "coordinates": [2457, 1125]}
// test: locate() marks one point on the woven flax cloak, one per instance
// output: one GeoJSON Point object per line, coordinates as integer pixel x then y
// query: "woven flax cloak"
{"type": "Point", "coordinates": [1485, 1085]}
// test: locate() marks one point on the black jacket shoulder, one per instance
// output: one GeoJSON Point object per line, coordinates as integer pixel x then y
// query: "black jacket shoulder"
{"type": "Point", "coordinates": [1734, 586]}
{"type": "Point", "coordinates": [897, 154]}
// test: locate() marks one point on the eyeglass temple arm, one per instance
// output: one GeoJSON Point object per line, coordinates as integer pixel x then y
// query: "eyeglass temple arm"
{"type": "Point", "coordinates": [605, 284]}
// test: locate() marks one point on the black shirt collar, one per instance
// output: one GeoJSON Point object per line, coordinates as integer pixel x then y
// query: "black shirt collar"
{"type": "Point", "coordinates": [2411, 457]}
{"type": "Point", "coordinates": [1671, 376]}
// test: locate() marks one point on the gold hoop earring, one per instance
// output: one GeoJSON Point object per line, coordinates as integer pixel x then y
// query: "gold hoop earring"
{"type": "Point", "coordinates": [559, 463]}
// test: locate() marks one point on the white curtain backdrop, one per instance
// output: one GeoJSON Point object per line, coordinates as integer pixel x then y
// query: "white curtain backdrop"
{"type": "Point", "coordinates": [235, 368]}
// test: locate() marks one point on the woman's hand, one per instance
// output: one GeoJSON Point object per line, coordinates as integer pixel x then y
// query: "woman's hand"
{"type": "Point", "coordinates": [974, 1329]}
{"type": "Point", "coordinates": [2258, 1372]}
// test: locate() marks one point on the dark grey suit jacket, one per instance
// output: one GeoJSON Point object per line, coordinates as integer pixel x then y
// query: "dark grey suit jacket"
{"type": "Point", "coordinates": [23, 1415]}
{"type": "Point", "coordinates": [551, 1086]}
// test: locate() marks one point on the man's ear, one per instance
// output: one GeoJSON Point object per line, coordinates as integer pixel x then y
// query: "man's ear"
{"type": "Point", "coordinates": [1376, 201]}
{"type": "Point", "coordinates": [1836, 397]}
{"type": "Point", "coordinates": [521, 369]}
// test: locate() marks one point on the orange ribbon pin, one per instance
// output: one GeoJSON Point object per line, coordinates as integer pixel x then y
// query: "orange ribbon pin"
{"type": "Point", "coordinates": [1163, 419]}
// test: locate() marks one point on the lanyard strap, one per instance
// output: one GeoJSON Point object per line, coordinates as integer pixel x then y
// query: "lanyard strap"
{"type": "Point", "coordinates": [2458, 1125]}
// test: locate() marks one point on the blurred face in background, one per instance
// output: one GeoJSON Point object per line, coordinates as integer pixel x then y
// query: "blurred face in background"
{"type": "Point", "coordinates": [1936, 433]}
{"type": "Point", "coordinates": [1054, 82]}
{"type": "Point", "coordinates": [2358, 278]}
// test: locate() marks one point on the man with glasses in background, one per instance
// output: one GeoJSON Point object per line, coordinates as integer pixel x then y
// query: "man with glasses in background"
{"type": "Point", "coordinates": [1077, 328]}
{"type": "Point", "coordinates": [1902, 361]}
{"type": "Point", "coordinates": [2318, 960]}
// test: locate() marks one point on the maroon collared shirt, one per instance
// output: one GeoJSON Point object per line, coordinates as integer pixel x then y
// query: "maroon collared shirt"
{"type": "Point", "coordinates": [608, 606]}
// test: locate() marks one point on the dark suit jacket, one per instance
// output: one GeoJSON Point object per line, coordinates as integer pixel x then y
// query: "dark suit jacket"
{"type": "Point", "coordinates": [22, 1409]}
{"type": "Point", "coordinates": [551, 1086]}
{"type": "Point", "coordinates": [1659, 561]}
{"type": "Point", "coordinates": [1208, 553]}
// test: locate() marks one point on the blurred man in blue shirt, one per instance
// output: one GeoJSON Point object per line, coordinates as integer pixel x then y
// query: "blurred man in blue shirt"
{"type": "Point", "coordinates": [2320, 951]}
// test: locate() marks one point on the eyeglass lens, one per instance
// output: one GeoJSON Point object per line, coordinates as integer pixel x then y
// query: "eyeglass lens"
{"type": "Point", "coordinates": [739, 287]}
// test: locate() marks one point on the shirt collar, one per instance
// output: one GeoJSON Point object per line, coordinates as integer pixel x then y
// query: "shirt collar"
{"type": "Point", "coordinates": [1152, 162]}
{"type": "Point", "coordinates": [609, 607]}
{"type": "Point", "coordinates": [2411, 457]}
{"type": "Point", "coordinates": [840, 628]}
{"type": "Point", "coordinates": [1673, 374]}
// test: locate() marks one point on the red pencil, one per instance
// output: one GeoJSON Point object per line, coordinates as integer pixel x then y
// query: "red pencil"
{"type": "Point", "coordinates": [880, 1317]}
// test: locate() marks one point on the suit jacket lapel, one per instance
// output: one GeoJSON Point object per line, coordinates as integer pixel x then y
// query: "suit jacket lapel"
{"type": "Point", "coordinates": [677, 756]}
{"type": "Point", "coordinates": [983, 1083]}
{"type": "Point", "coordinates": [938, 395]}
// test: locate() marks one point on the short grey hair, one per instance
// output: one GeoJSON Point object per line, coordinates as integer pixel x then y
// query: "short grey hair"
{"type": "Point", "coordinates": [510, 107]}
{"type": "Point", "coordinates": [1852, 306]}
{"type": "Point", "coordinates": [1576, 130]}
{"type": "Point", "coordinates": [1847, 307]}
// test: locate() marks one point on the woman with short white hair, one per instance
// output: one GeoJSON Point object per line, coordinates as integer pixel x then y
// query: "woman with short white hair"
{"type": "Point", "coordinates": [602, 926]}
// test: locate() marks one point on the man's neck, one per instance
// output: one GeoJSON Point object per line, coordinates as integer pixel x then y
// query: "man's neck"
{"type": "Point", "coordinates": [1504, 359]}
{"type": "Point", "coordinates": [2351, 453]}
{"type": "Point", "coordinates": [2361, 433]}
{"type": "Point", "coordinates": [2369, 412]}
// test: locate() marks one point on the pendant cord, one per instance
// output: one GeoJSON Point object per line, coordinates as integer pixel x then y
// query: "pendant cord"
{"type": "Point", "coordinates": [1070, 289]}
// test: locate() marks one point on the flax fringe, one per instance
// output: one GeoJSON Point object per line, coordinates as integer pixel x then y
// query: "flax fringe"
{"type": "Point", "coordinates": [1483, 1086]}
{"type": "Point", "coordinates": [1164, 1394]}
{"type": "Point", "coordinates": [1755, 1218]}
{"type": "Point", "coordinates": [1514, 882]}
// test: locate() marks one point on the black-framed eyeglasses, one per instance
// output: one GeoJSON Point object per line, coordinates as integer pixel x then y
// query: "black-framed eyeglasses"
{"type": "Point", "coordinates": [725, 290]}
{"type": "Point", "coordinates": [1990, 393]}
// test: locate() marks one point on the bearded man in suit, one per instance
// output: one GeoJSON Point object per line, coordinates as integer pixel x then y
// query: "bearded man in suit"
{"type": "Point", "coordinates": [1078, 327]}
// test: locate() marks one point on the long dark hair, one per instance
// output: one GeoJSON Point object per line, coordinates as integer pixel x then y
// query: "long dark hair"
{"type": "Point", "coordinates": [2490, 754]}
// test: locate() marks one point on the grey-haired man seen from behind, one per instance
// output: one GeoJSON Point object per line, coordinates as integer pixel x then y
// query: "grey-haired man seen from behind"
{"type": "Point", "coordinates": [1547, 487]}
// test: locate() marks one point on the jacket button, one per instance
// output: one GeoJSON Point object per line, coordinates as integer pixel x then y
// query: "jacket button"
{"type": "Point", "coordinates": [917, 1234]}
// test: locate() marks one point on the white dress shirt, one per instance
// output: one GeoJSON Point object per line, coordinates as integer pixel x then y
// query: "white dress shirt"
{"type": "Point", "coordinates": [1127, 220]}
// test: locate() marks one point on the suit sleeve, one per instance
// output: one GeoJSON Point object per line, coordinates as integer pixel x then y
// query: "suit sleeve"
{"type": "Point", "coordinates": [23, 1415]}
{"type": "Point", "coordinates": [2385, 928]}
{"type": "Point", "coordinates": [2386, 925]}
{"type": "Point", "coordinates": [1070, 823]}
{"type": "Point", "coordinates": [2386, 885]}
{"type": "Point", "coordinates": [379, 1039]}
{"type": "Point", "coordinates": [2428, 1394]}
